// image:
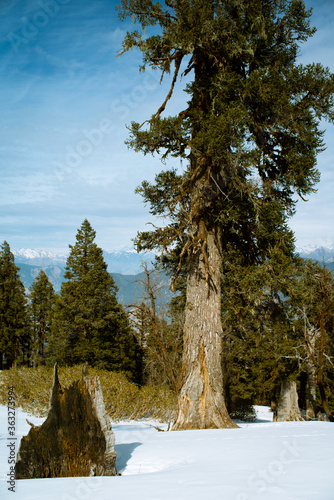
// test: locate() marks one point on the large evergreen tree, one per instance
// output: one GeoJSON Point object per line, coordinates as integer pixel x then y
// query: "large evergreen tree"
{"type": "Point", "coordinates": [89, 325]}
{"type": "Point", "coordinates": [14, 327]}
{"type": "Point", "coordinates": [248, 140]}
{"type": "Point", "coordinates": [42, 298]}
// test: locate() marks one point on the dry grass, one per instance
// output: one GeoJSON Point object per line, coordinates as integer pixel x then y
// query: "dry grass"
{"type": "Point", "coordinates": [123, 400]}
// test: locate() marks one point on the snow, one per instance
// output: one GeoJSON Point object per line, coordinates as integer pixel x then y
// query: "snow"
{"type": "Point", "coordinates": [258, 461]}
{"type": "Point", "coordinates": [34, 253]}
{"type": "Point", "coordinates": [311, 249]}
{"type": "Point", "coordinates": [128, 251]}
{"type": "Point", "coordinates": [123, 250]}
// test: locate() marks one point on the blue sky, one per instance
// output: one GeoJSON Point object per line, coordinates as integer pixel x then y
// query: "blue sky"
{"type": "Point", "coordinates": [65, 99]}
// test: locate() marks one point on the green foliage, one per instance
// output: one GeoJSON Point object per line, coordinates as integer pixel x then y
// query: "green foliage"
{"type": "Point", "coordinates": [14, 324]}
{"type": "Point", "coordinates": [258, 336]}
{"type": "Point", "coordinates": [123, 399]}
{"type": "Point", "coordinates": [271, 312]}
{"type": "Point", "coordinates": [242, 409]}
{"type": "Point", "coordinates": [312, 293]}
{"type": "Point", "coordinates": [251, 128]}
{"type": "Point", "coordinates": [248, 140]}
{"type": "Point", "coordinates": [42, 298]}
{"type": "Point", "coordinates": [311, 306]}
{"type": "Point", "coordinates": [89, 325]}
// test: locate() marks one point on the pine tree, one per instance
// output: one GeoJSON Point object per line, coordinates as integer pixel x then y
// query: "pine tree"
{"type": "Point", "coordinates": [311, 306]}
{"type": "Point", "coordinates": [89, 325]}
{"type": "Point", "coordinates": [258, 334]}
{"type": "Point", "coordinates": [42, 298]}
{"type": "Point", "coordinates": [14, 325]}
{"type": "Point", "coordinates": [248, 141]}
{"type": "Point", "coordinates": [278, 325]}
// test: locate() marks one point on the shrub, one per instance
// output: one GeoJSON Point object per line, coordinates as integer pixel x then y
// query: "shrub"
{"type": "Point", "coordinates": [242, 409]}
{"type": "Point", "coordinates": [123, 399]}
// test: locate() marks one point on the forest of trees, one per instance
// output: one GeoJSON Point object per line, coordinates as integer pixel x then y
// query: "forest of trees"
{"type": "Point", "coordinates": [83, 324]}
{"type": "Point", "coordinates": [248, 314]}
{"type": "Point", "coordinates": [277, 325]}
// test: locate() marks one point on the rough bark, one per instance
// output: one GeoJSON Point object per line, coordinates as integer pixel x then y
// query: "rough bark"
{"type": "Point", "coordinates": [273, 408]}
{"type": "Point", "coordinates": [311, 394]}
{"type": "Point", "coordinates": [320, 378]}
{"type": "Point", "coordinates": [311, 336]}
{"type": "Point", "coordinates": [201, 403]}
{"type": "Point", "coordinates": [75, 440]}
{"type": "Point", "coordinates": [324, 401]}
{"type": "Point", "coordinates": [288, 408]}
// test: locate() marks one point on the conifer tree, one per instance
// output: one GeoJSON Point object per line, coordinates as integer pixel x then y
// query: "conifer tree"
{"type": "Point", "coordinates": [278, 325]}
{"type": "Point", "coordinates": [248, 140]}
{"type": "Point", "coordinates": [89, 325]}
{"type": "Point", "coordinates": [14, 325]}
{"type": "Point", "coordinates": [42, 298]}
{"type": "Point", "coordinates": [311, 309]}
{"type": "Point", "coordinates": [258, 335]}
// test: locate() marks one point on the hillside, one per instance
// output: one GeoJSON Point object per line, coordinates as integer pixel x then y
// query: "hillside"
{"type": "Point", "coordinates": [130, 288]}
{"type": "Point", "coordinates": [124, 265]}
{"type": "Point", "coordinates": [29, 272]}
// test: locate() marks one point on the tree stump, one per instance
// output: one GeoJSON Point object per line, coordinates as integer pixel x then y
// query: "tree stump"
{"type": "Point", "coordinates": [76, 439]}
{"type": "Point", "coordinates": [288, 408]}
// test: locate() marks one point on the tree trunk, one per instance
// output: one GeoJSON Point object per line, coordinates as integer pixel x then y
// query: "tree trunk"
{"type": "Point", "coordinates": [311, 336]}
{"type": "Point", "coordinates": [201, 402]}
{"type": "Point", "coordinates": [288, 408]}
{"type": "Point", "coordinates": [324, 401]}
{"type": "Point", "coordinates": [314, 376]}
{"type": "Point", "coordinates": [75, 440]}
{"type": "Point", "coordinates": [320, 378]}
{"type": "Point", "coordinates": [311, 393]}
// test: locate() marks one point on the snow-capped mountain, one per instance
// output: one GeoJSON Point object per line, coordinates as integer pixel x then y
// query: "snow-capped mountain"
{"type": "Point", "coordinates": [124, 261]}
{"type": "Point", "coordinates": [127, 260]}
{"type": "Point", "coordinates": [125, 266]}
{"type": "Point", "coordinates": [319, 253]}
{"type": "Point", "coordinates": [37, 257]}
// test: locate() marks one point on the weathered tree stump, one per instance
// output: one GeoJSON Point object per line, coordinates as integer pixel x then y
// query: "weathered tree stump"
{"type": "Point", "coordinates": [76, 439]}
{"type": "Point", "coordinates": [288, 408]}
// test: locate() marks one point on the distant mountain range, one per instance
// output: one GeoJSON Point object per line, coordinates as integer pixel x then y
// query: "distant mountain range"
{"type": "Point", "coordinates": [125, 261]}
{"type": "Point", "coordinates": [314, 252]}
{"type": "Point", "coordinates": [124, 265]}
{"type": "Point", "coordinates": [29, 272]}
{"type": "Point", "coordinates": [322, 254]}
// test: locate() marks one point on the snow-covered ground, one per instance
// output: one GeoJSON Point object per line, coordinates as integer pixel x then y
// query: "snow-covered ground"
{"type": "Point", "coordinates": [259, 461]}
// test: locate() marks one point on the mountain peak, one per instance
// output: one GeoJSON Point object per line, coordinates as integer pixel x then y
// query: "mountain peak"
{"type": "Point", "coordinates": [35, 253]}
{"type": "Point", "coordinates": [316, 252]}
{"type": "Point", "coordinates": [38, 257]}
{"type": "Point", "coordinates": [124, 261]}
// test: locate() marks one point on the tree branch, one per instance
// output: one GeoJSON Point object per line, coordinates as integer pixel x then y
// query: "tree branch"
{"type": "Point", "coordinates": [178, 59]}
